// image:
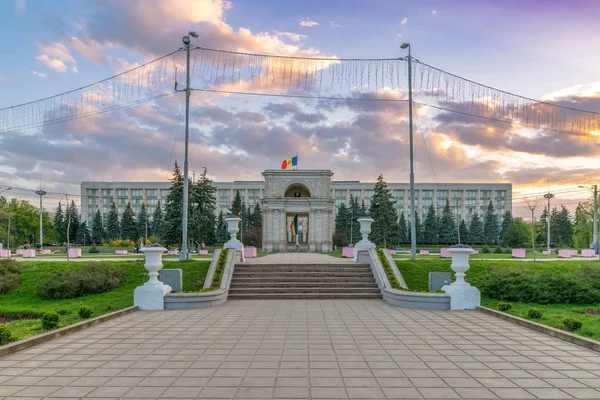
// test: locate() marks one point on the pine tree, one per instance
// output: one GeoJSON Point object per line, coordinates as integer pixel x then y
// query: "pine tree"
{"type": "Point", "coordinates": [203, 203]}
{"type": "Point", "coordinates": [157, 221]}
{"type": "Point", "coordinates": [222, 234]}
{"type": "Point", "coordinates": [561, 230]}
{"type": "Point", "coordinates": [97, 228]}
{"type": "Point", "coordinates": [342, 221]}
{"type": "Point", "coordinates": [355, 213]}
{"type": "Point", "coordinates": [113, 228]}
{"type": "Point", "coordinates": [143, 228]}
{"type": "Point", "coordinates": [384, 229]}
{"type": "Point", "coordinates": [476, 235]}
{"type": "Point", "coordinates": [541, 234]}
{"type": "Point", "coordinates": [402, 227]}
{"type": "Point", "coordinates": [59, 224]}
{"type": "Point", "coordinates": [490, 225]}
{"type": "Point", "coordinates": [419, 229]}
{"type": "Point", "coordinates": [128, 225]}
{"type": "Point", "coordinates": [257, 217]}
{"type": "Point", "coordinates": [464, 232]}
{"type": "Point", "coordinates": [171, 234]}
{"type": "Point", "coordinates": [430, 229]}
{"type": "Point", "coordinates": [73, 214]}
{"type": "Point", "coordinates": [447, 225]}
{"type": "Point", "coordinates": [83, 234]}
{"type": "Point", "coordinates": [237, 204]}
{"type": "Point", "coordinates": [507, 219]}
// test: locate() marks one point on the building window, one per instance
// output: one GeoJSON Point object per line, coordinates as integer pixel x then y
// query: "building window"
{"type": "Point", "coordinates": [340, 197]}
{"type": "Point", "coordinates": [442, 196]}
{"type": "Point", "coordinates": [355, 195]}
{"type": "Point", "coordinates": [399, 199]}
{"type": "Point", "coordinates": [107, 199]}
{"type": "Point", "coordinates": [224, 199]}
{"type": "Point", "coordinates": [368, 197]}
{"type": "Point", "coordinates": [92, 200]}
{"type": "Point", "coordinates": [253, 197]}
{"type": "Point", "coordinates": [485, 196]}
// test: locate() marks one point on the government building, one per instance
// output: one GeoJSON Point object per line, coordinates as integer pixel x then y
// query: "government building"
{"type": "Point", "coordinates": [307, 193]}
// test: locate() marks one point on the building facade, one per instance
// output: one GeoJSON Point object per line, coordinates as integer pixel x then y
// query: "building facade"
{"type": "Point", "coordinates": [465, 199]}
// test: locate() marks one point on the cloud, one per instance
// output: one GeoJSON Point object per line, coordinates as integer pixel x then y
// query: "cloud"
{"type": "Point", "coordinates": [20, 6]}
{"type": "Point", "coordinates": [434, 12]}
{"type": "Point", "coordinates": [308, 23]}
{"type": "Point", "coordinates": [88, 48]}
{"type": "Point", "coordinates": [39, 74]}
{"type": "Point", "coordinates": [294, 37]}
{"type": "Point", "coordinates": [280, 110]}
{"type": "Point", "coordinates": [404, 21]}
{"type": "Point", "coordinates": [333, 25]}
{"type": "Point", "coordinates": [398, 37]}
{"type": "Point", "coordinates": [55, 56]}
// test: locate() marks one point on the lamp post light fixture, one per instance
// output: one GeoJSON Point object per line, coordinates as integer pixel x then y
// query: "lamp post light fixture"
{"type": "Point", "coordinates": [184, 253]}
{"type": "Point", "coordinates": [42, 193]}
{"type": "Point", "coordinates": [548, 196]}
{"type": "Point", "coordinates": [413, 223]}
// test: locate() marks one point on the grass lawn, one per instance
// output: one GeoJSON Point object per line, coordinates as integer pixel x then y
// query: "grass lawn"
{"type": "Point", "coordinates": [416, 275]}
{"type": "Point", "coordinates": [24, 299]}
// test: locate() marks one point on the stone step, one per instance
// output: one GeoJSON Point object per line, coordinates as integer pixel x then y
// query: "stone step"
{"type": "Point", "coordinates": [290, 274]}
{"type": "Point", "coordinates": [303, 296]}
{"type": "Point", "coordinates": [286, 284]}
{"type": "Point", "coordinates": [298, 289]}
{"type": "Point", "coordinates": [302, 279]}
{"type": "Point", "coordinates": [271, 266]}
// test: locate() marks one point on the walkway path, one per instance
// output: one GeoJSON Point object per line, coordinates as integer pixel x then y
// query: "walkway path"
{"type": "Point", "coordinates": [311, 349]}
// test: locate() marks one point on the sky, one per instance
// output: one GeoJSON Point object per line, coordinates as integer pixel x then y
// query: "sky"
{"type": "Point", "coordinates": [538, 49]}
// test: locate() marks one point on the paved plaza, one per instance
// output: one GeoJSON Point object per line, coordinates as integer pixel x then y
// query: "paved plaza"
{"type": "Point", "coordinates": [304, 349]}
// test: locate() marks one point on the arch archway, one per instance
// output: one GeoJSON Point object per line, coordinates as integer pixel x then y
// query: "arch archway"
{"type": "Point", "coordinates": [297, 190]}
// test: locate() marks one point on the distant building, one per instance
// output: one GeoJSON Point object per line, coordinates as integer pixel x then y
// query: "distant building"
{"type": "Point", "coordinates": [466, 199]}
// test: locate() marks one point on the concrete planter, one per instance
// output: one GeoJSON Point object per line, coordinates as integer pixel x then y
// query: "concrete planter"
{"type": "Point", "coordinates": [365, 229]}
{"type": "Point", "coordinates": [150, 296]}
{"type": "Point", "coordinates": [233, 229]}
{"type": "Point", "coordinates": [182, 301]}
{"type": "Point", "coordinates": [463, 296]}
{"type": "Point", "coordinates": [424, 301]}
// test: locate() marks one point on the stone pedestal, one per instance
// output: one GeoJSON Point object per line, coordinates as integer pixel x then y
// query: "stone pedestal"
{"type": "Point", "coordinates": [365, 229]}
{"type": "Point", "coordinates": [233, 229]}
{"type": "Point", "coordinates": [151, 295]}
{"type": "Point", "coordinates": [463, 296]}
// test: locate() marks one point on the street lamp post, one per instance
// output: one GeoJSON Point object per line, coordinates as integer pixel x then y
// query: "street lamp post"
{"type": "Point", "coordinates": [548, 196]}
{"type": "Point", "coordinates": [184, 254]}
{"type": "Point", "coordinates": [413, 223]}
{"type": "Point", "coordinates": [42, 193]}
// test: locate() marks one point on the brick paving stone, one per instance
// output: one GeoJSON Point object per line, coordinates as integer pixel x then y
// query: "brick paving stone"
{"type": "Point", "coordinates": [318, 349]}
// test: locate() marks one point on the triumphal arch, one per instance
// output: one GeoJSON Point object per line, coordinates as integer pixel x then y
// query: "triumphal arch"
{"type": "Point", "coordinates": [298, 211]}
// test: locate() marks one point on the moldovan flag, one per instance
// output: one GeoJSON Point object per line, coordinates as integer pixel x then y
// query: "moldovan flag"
{"type": "Point", "coordinates": [290, 162]}
{"type": "Point", "coordinates": [294, 226]}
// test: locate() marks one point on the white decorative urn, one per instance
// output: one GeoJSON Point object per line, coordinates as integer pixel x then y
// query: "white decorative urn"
{"type": "Point", "coordinates": [151, 295]}
{"type": "Point", "coordinates": [365, 229]}
{"type": "Point", "coordinates": [233, 229]}
{"type": "Point", "coordinates": [463, 296]}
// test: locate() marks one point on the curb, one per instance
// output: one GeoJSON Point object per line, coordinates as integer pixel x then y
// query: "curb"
{"type": "Point", "coordinates": [46, 337]}
{"type": "Point", "coordinates": [547, 330]}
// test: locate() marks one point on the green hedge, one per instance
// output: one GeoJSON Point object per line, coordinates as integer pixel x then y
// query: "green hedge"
{"type": "Point", "coordinates": [389, 272]}
{"type": "Point", "coordinates": [10, 275]}
{"type": "Point", "coordinates": [219, 269]}
{"type": "Point", "coordinates": [90, 279]}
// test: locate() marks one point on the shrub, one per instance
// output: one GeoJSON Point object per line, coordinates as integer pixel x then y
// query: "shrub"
{"type": "Point", "coordinates": [85, 312]}
{"type": "Point", "coordinates": [109, 305]}
{"type": "Point", "coordinates": [10, 275]}
{"type": "Point", "coordinates": [50, 320]}
{"type": "Point", "coordinates": [485, 249]}
{"type": "Point", "coordinates": [90, 279]}
{"type": "Point", "coordinates": [253, 238]}
{"type": "Point", "coordinates": [504, 306]}
{"type": "Point", "coordinates": [94, 249]}
{"type": "Point", "coordinates": [219, 269]}
{"type": "Point", "coordinates": [340, 239]}
{"type": "Point", "coordinates": [388, 270]}
{"type": "Point", "coordinates": [498, 250]}
{"type": "Point", "coordinates": [572, 324]}
{"type": "Point", "coordinates": [5, 334]}
{"type": "Point", "coordinates": [520, 284]}
{"type": "Point", "coordinates": [534, 313]}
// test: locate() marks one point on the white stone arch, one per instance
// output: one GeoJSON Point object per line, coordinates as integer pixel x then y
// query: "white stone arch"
{"type": "Point", "coordinates": [297, 186]}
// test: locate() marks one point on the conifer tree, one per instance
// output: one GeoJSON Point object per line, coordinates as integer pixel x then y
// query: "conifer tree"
{"type": "Point", "coordinates": [73, 215]}
{"type": "Point", "coordinates": [143, 227]}
{"type": "Point", "coordinates": [490, 225]}
{"type": "Point", "coordinates": [447, 225]}
{"type": "Point", "coordinates": [128, 225]}
{"type": "Point", "coordinates": [83, 234]}
{"type": "Point", "coordinates": [507, 219]}
{"type": "Point", "coordinates": [203, 202]}
{"type": "Point", "coordinates": [59, 224]}
{"type": "Point", "coordinates": [237, 204]}
{"type": "Point", "coordinates": [402, 227]}
{"type": "Point", "coordinates": [420, 231]}
{"type": "Point", "coordinates": [113, 228]}
{"type": "Point", "coordinates": [464, 232]}
{"type": "Point", "coordinates": [384, 229]}
{"type": "Point", "coordinates": [583, 226]}
{"type": "Point", "coordinates": [476, 230]}
{"type": "Point", "coordinates": [174, 210]}
{"type": "Point", "coordinates": [257, 217]}
{"type": "Point", "coordinates": [430, 228]}
{"type": "Point", "coordinates": [97, 228]}
{"type": "Point", "coordinates": [222, 234]}
{"type": "Point", "coordinates": [342, 220]}
{"type": "Point", "coordinates": [355, 213]}
{"type": "Point", "coordinates": [157, 221]}
{"type": "Point", "coordinates": [541, 229]}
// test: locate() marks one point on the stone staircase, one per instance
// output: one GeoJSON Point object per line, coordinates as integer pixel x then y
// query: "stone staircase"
{"type": "Point", "coordinates": [303, 281]}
